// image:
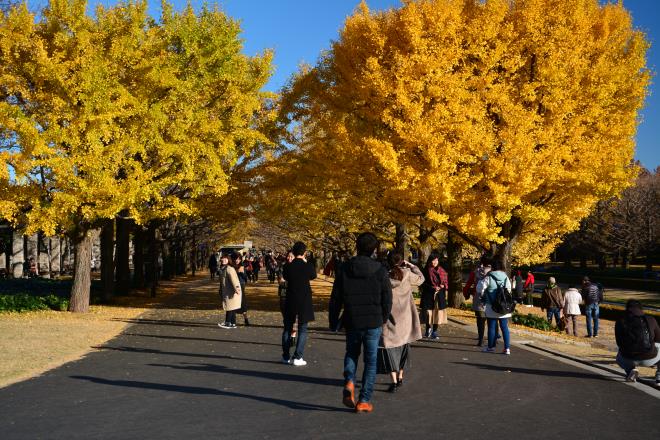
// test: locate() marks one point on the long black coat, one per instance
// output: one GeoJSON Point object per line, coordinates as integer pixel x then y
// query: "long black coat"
{"type": "Point", "coordinates": [298, 302]}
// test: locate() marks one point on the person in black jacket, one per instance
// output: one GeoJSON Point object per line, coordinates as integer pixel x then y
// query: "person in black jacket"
{"type": "Point", "coordinates": [638, 338]}
{"type": "Point", "coordinates": [297, 303]}
{"type": "Point", "coordinates": [362, 289]}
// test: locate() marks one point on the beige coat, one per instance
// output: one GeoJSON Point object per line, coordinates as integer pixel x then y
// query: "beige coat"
{"type": "Point", "coordinates": [404, 311]}
{"type": "Point", "coordinates": [230, 288]}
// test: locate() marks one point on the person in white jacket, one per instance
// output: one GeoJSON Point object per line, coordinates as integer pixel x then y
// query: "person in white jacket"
{"type": "Point", "coordinates": [572, 301]}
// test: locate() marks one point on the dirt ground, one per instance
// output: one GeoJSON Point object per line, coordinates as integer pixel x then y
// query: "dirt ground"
{"type": "Point", "coordinates": [32, 343]}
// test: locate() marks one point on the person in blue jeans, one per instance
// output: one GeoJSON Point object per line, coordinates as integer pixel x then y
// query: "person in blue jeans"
{"type": "Point", "coordinates": [487, 289]}
{"type": "Point", "coordinates": [592, 295]}
{"type": "Point", "coordinates": [362, 289]}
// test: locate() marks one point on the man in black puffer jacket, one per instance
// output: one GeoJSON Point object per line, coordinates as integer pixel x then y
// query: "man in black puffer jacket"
{"type": "Point", "coordinates": [362, 289]}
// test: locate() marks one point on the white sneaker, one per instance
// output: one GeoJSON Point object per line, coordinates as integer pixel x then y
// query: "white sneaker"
{"type": "Point", "coordinates": [224, 325]}
{"type": "Point", "coordinates": [632, 376]}
{"type": "Point", "coordinates": [299, 362]}
{"type": "Point", "coordinates": [506, 351]}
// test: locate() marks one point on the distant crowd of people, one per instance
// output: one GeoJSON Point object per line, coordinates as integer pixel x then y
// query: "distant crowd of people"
{"type": "Point", "coordinates": [372, 301]}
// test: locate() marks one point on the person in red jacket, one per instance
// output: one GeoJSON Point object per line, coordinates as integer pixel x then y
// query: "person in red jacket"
{"type": "Point", "coordinates": [528, 288]}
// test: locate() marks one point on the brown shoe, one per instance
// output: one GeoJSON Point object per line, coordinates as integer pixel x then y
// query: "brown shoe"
{"type": "Point", "coordinates": [349, 394]}
{"type": "Point", "coordinates": [364, 407]}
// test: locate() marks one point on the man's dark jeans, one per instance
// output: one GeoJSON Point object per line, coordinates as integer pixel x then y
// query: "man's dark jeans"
{"type": "Point", "coordinates": [553, 311]}
{"type": "Point", "coordinates": [355, 340]}
{"type": "Point", "coordinates": [286, 339]}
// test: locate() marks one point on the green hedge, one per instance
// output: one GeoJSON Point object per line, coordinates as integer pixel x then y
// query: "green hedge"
{"type": "Point", "coordinates": [23, 302]}
{"type": "Point", "coordinates": [533, 321]}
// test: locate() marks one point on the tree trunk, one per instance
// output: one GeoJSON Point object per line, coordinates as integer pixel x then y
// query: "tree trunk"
{"type": "Point", "coordinates": [138, 257]}
{"type": "Point", "coordinates": [123, 270]}
{"type": "Point", "coordinates": [455, 270]}
{"type": "Point", "coordinates": [402, 240]}
{"type": "Point", "coordinates": [625, 260]}
{"type": "Point", "coordinates": [107, 260]}
{"type": "Point", "coordinates": [49, 248]}
{"type": "Point", "coordinates": [82, 271]}
{"type": "Point", "coordinates": [167, 261]}
{"type": "Point", "coordinates": [583, 262]}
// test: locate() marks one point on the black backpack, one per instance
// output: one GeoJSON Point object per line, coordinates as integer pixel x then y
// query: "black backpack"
{"type": "Point", "coordinates": [504, 302]}
{"type": "Point", "coordinates": [636, 338]}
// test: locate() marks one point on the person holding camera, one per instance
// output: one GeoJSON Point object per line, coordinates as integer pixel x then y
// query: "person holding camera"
{"type": "Point", "coordinates": [403, 327]}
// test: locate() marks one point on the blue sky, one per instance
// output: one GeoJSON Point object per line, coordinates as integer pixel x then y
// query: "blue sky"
{"type": "Point", "coordinates": [299, 29]}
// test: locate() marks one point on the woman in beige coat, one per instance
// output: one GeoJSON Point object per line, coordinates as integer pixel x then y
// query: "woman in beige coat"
{"type": "Point", "coordinates": [403, 327]}
{"type": "Point", "coordinates": [230, 291]}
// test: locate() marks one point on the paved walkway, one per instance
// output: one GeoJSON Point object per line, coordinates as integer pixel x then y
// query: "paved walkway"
{"type": "Point", "coordinates": [174, 374]}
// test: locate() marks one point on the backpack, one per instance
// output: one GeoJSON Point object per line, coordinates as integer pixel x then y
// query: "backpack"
{"type": "Point", "coordinates": [636, 338]}
{"type": "Point", "coordinates": [503, 302]}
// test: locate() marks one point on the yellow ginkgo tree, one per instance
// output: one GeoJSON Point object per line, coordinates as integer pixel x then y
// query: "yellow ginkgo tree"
{"type": "Point", "coordinates": [118, 113]}
{"type": "Point", "coordinates": [504, 121]}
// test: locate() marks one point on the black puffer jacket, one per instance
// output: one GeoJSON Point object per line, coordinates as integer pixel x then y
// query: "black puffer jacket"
{"type": "Point", "coordinates": [592, 294]}
{"type": "Point", "coordinates": [363, 290]}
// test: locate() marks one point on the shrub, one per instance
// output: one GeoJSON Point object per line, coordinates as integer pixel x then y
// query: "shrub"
{"type": "Point", "coordinates": [23, 302]}
{"type": "Point", "coordinates": [533, 321]}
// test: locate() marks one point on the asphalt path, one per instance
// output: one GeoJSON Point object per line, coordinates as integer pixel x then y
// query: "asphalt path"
{"type": "Point", "coordinates": [176, 378]}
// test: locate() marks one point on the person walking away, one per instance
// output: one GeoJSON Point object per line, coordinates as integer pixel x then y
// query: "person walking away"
{"type": "Point", "coordinates": [256, 267]}
{"type": "Point", "coordinates": [271, 267]}
{"type": "Point", "coordinates": [592, 296]}
{"type": "Point", "coordinates": [230, 292]}
{"type": "Point", "coordinates": [213, 265]}
{"type": "Point", "coordinates": [395, 354]}
{"type": "Point", "coordinates": [487, 288]}
{"type": "Point", "coordinates": [528, 288]}
{"type": "Point", "coordinates": [518, 285]}
{"type": "Point", "coordinates": [362, 289]}
{"type": "Point", "coordinates": [237, 263]}
{"type": "Point", "coordinates": [298, 304]}
{"type": "Point", "coordinates": [638, 338]}
{"type": "Point", "coordinates": [247, 264]}
{"type": "Point", "coordinates": [478, 306]}
{"type": "Point", "coordinates": [552, 301]}
{"type": "Point", "coordinates": [571, 305]}
{"type": "Point", "coordinates": [434, 296]}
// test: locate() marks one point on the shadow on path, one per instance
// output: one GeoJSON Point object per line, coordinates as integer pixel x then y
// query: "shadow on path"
{"type": "Point", "coordinates": [185, 338]}
{"type": "Point", "coordinates": [551, 373]}
{"type": "Point", "coordinates": [211, 368]}
{"type": "Point", "coordinates": [176, 353]}
{"type": "Point", "coordinates": [208, 391]}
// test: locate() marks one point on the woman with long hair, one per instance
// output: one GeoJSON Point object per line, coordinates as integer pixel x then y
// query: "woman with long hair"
{"type": "Point", "coordinates": [434, 296]}
{"type": "Point", "coordinates": [403, 327]}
